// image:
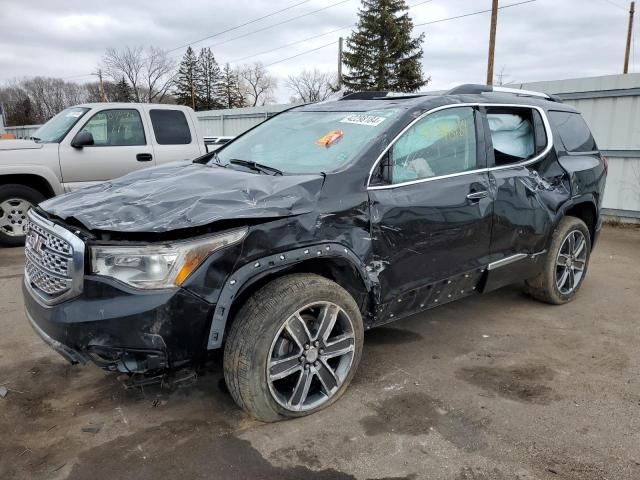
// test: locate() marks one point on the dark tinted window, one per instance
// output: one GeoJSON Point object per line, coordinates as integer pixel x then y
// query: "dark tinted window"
{"type": "Point", "coordinates": [170, 127]}
{"type": "Point", "coordinates": [540, 133]}
{"type": "Point", "coordinates": [573, 130]}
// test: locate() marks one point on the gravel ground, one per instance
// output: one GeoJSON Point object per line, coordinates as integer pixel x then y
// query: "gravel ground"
{"type": "Point", "coordinates": [491, 387]}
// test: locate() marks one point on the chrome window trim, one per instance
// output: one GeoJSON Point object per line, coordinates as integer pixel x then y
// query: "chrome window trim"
{"type": "Point", "coordinates": [545, 152]}
{"type": "Point", "coordinates": [76, 270]}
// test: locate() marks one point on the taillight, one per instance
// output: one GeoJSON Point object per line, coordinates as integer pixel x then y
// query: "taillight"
{"type": "Point", "coordinates": [605, 162]}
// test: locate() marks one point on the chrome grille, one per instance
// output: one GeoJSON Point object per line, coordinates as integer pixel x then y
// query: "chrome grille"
{"type": "Point", "coordinates": [54, 260]}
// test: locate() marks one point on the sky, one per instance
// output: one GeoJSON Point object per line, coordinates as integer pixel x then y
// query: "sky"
{"type": "Point", "coordinates": [540, 40]}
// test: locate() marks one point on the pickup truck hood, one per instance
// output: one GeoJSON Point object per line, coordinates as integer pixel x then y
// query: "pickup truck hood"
{"type": "Point", "coordinates": [19, 145]}
{"type": "Point", "coordinates": [178, 196]}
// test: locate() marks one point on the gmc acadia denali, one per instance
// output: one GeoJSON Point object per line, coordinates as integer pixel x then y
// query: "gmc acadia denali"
{"type": "Point", "coordinates": [286, 244]}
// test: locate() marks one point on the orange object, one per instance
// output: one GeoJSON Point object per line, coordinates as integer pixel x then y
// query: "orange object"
{"type": "Point", "coordinates": [330, 138]}
{"type": "Point", "coordinates": [7, 136]}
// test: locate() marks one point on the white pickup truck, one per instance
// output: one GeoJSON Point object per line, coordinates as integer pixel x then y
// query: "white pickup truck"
{"type": "Point", "coordinates": [88, 144]}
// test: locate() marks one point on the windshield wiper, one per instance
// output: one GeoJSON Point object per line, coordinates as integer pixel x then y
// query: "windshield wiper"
{"type": "Point", "coordinates": [35, 139]}
{"type": "Point", "coordinates": [258, 167]}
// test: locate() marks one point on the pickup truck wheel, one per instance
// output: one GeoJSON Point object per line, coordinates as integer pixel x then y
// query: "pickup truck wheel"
{"type": "Point", "coordinates": [15, 202]}
{"type": "Point", "coordinates": [293, 348]}
{"type": "Point", "coordinates": [565, 265]}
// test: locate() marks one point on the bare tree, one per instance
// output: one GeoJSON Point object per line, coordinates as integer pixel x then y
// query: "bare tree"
{"type": "Point", "coordinates": [311, 86]}
{"type": "Point", "coordinates": [149, 72]}
{"type": "Point", "coordinates": [257, 84]}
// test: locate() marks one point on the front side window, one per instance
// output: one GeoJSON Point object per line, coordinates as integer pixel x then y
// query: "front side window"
{"type": "Point", "coordinates": [301, 141]}
{"type": "Point", "coordinates": [116, 128]}
{"type": "Point", "coordinates": [442, 143]}
{"type": "Point", "coordinates": [574, 132]}
{"type": "Point", "coordinates": [170, 127]}
{"type": "Point", "coordinates": [57, 128]}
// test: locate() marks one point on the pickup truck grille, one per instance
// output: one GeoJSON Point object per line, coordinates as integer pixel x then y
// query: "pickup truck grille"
{"type": "Point", "coordinates": [54, 261]}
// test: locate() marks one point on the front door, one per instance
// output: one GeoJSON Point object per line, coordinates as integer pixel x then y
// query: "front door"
{"type": "Point", "coordinates": [431, 218]}
{"type": "Point", "coordinates": [121, 145]}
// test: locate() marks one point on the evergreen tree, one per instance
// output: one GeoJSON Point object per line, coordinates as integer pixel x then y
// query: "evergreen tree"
{"type": "Point", "coordinates": [209, 81]}
{"type": "Point", "coordinates": [122, 92]}
{"type": "Point", "coordinates": [186, 88]}
{"type": "Point", "coordinates": [230, 90]}
{"type": "Point", "coordinates": [381, 54]}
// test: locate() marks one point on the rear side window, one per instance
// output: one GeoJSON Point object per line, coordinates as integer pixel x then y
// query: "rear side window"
{"type": "Point", "coordinates": [517, 134]}
{"type": "Point", "coordinates": [170, 127]}
{"type": "Point", "coordinates": [574, 132]}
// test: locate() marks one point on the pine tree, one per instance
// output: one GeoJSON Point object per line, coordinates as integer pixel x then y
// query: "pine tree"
{"type": "Point", "coordinates": [209, 81]}
{"type": "Point", "coordinates": [381, 54]}
{"type": "Point", "coordinates": [122, 92]}
{"type": "Point", "coordinates": [185, 84]}
{"type": "Point", "coordinates": [230, 91]}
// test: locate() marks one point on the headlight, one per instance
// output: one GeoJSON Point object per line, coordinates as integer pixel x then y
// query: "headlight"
{"type": "Point", "coordinates": [158, 266]}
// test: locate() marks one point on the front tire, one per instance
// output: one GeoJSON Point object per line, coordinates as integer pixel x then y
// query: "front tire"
{"type": "Point", "coordinates": [293, 348]}
{"type": "Point", "coordinates": [15, 202]}
{"type": "Point", "coordinates": [565, 265]}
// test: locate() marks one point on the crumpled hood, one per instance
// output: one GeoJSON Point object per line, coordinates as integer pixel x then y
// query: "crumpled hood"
{"type": "Point", "coordinates": [19, 145]}
{"type": "Point", "coordinates": [178, 196]}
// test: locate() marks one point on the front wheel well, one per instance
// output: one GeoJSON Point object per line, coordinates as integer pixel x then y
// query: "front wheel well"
{"type": "Point", "coordinates": [336, 269]}
{"type": "Point", "coordinates": [36, 182]}
{"type": "Point", "coordinates": [586, 212]}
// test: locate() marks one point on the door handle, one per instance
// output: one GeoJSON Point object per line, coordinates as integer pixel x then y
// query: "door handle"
{"type": "Point", "coordinates": [475, 196]}
{"type": "Point", "coordinates": [144, 157]}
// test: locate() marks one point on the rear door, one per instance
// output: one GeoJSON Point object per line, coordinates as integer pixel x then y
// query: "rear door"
{"type": "Point", "coordinates": [431, 217]}
{"type": "Point", "coordinates": [121, 145]}
{"type": "Point", "coordinates": [174, 134]}
{"type": "Point", "coordinates": [526, 179]}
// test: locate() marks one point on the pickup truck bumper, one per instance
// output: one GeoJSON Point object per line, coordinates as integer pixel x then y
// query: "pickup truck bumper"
{"type": "Point", "coordinates": [124, 330]}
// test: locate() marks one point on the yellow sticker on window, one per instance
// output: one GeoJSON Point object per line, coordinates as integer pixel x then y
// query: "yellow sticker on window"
{"type": "Point", "coordinates": [330, 138]}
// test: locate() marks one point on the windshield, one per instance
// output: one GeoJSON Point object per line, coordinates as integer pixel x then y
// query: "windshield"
{"type": "Point", "coordinates": [55, 129]}
{"type": "Point", "coordinates": [307, 141]}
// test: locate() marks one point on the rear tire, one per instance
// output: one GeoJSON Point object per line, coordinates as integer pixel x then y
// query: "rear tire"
{"type": "Point", "coordinates": [272, 361]}
{"type": "Point", "coordinates": [15, 201]}
{"type": "Point", "coordinates": [565, 264]}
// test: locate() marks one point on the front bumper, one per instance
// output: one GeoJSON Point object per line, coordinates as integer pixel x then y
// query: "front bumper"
{"type": "Point", "coordinates": [123, 329]}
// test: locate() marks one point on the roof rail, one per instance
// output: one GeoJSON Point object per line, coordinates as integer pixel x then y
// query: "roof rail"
{"type": "Point", "coordinates": [365, 95]}
{"type": "Point", "coordinates": [480, 89]}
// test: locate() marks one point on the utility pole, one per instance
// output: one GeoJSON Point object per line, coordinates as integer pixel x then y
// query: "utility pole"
{"type": "Point", "coordinates": [492, 41]}
{"type": "Point", "coordinates": [340, 62]}
{"type": "Point", "coordinates": [102, 95]}
{"type": "Point", "coordinates": [632, 10]}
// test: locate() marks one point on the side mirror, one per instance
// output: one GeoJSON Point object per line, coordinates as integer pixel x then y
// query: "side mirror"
{"type": "Point", "coordinates": [82, 139]}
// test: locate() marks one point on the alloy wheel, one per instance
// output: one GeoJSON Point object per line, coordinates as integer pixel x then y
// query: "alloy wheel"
{"type": "Point", "coordinates": [571, 262]}
{"type": "Point", "coordinates": [13, 216]}
{"type": "Point", "coordinates": [311, 356]}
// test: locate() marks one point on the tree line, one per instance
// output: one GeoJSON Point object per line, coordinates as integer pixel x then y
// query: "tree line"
{"type": "Point", "coordinates": [381, 54]}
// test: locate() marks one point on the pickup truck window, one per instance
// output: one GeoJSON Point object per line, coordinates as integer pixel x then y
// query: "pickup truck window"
{"type": "Point", "coordinates": [170, 127]}
{"type": "Point", "coordinates": [440, 144]}
{"type": "Point", "coordinates": [310, 141]}
{"type": "Point", "coordinates": [57, 128]}
{"type": "Point", "coordinates": [116, 128]}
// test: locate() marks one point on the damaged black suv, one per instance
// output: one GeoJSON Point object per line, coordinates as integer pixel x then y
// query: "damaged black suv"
{"type": "Point", "coordinates": [289, 242]}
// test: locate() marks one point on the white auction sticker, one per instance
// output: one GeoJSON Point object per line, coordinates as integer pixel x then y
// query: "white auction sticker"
{"type": "Point", "coordinates": [370, 120]}
{"type": "Point", "coordinates": [74, 114]}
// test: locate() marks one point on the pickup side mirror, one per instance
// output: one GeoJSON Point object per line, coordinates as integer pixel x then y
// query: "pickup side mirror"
{"type": "Point", "coordinates": [82, 139]}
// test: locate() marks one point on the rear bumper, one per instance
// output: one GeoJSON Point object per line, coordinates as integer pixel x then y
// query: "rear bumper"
{"type": "Point", "coordinates": [121, 329]}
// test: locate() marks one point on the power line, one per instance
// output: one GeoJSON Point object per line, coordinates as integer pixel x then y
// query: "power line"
{"type": "Point", "coordinates": [240, 26]}
{"type": "Point", "coordinates": [610, 2]}
{"type": "Point", "coordinates": [278, 24]}
{"type": "Point", "coordinates": [289, 44]}
{"type": "Point", "coordinates": [302, 53]}
{"type": "Point", "coordinates": [309, 38]}
{"type": "Point", "coordinates": [472, 13]}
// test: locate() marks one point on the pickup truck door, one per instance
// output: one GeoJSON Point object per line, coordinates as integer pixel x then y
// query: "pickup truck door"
{"type": "Point", "coordinates": [174, 134]}
{"type": "Point", "coordinates": [431, 225]}
{"type": "Point", "coordinates": [121, 145]}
